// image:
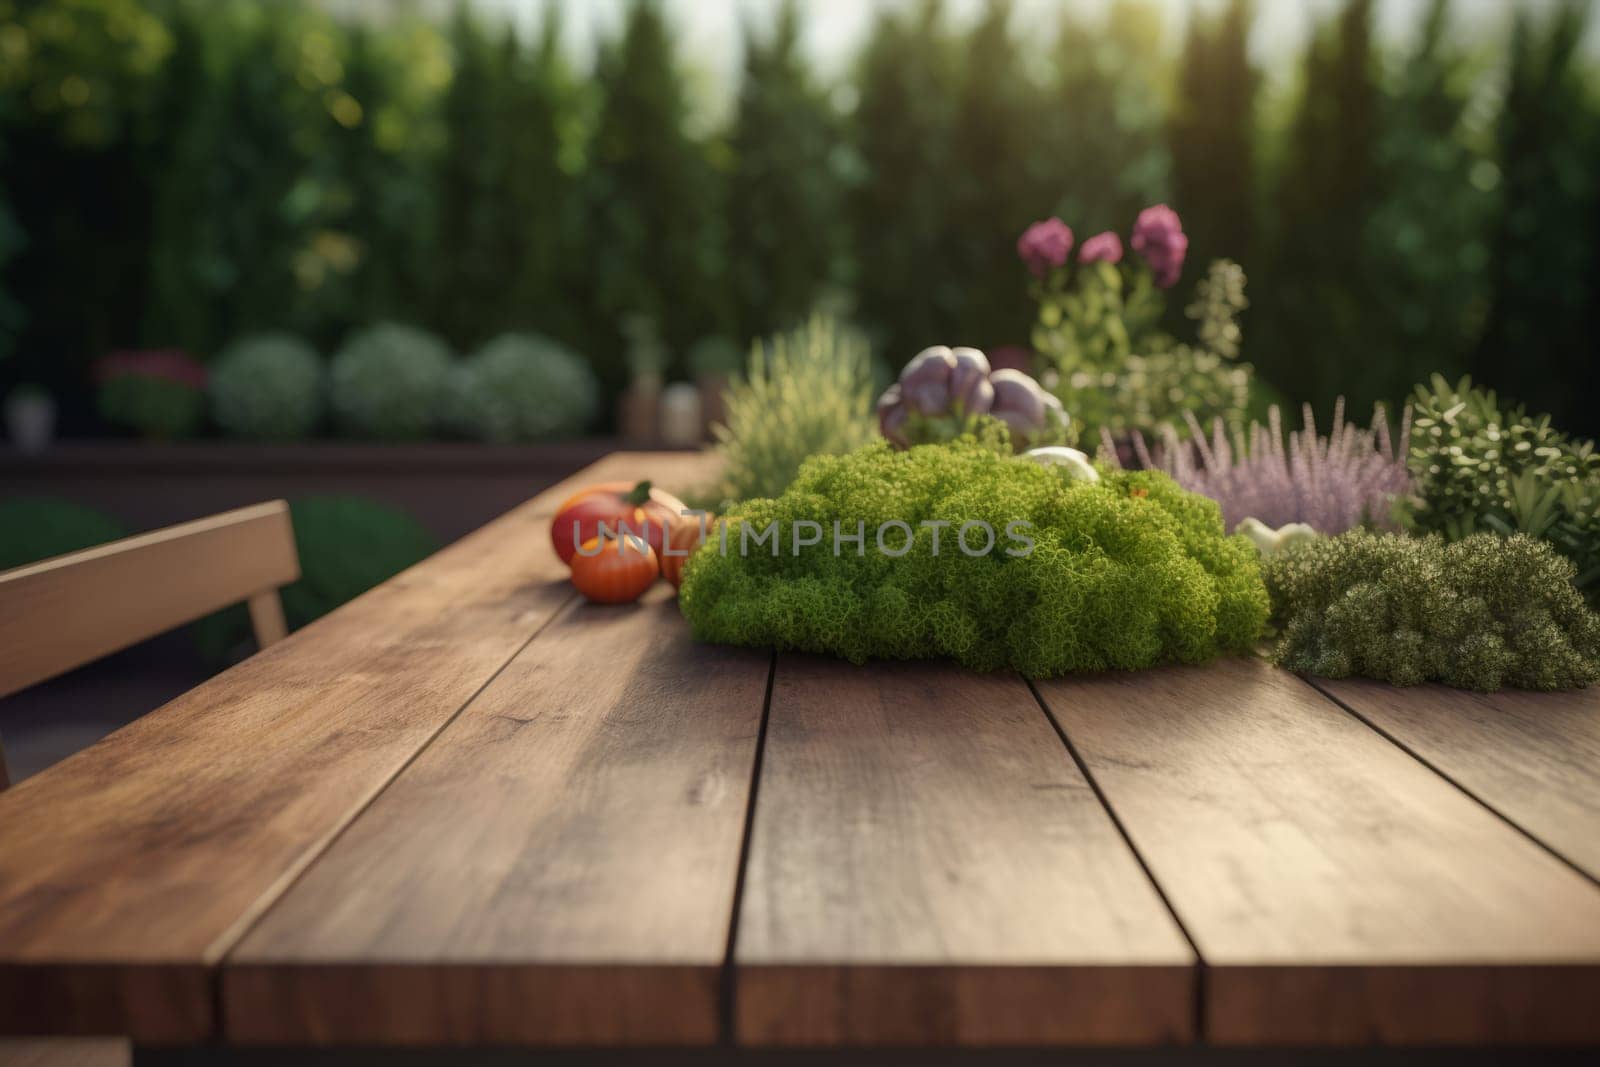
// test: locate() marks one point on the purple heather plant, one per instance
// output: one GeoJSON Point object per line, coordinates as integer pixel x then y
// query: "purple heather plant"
{"type": "Point", "coordinates": [1335, 483]}
{"type": "Point", "coordinates": [1158, 237]}
{"type": "Point", "coordinates": [1101, 248]}
{"type": "Point", "coordinates": [1045, 246]}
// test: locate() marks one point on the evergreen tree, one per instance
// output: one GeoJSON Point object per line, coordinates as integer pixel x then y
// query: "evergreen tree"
{"type": "Point", "coordinates": [1213, 136]}
{"type": "Point", "coordinates": [474, 249]}
{"type": "Point", "coordinates": [375, 171]}
{"type": "Point", "coordinates": [909, 296]}
{"type": "Point", "coordinates": [542, 128]}
{"type": "Point", "coordinates": [999, 181]}
{"type": "Point", "coordinates": [1308, 321]}
{"type": "Point", "coordinates": [1104, 139]}
{"type": "Point", "coordinates": [654, 244]}
{"type": "Point", "coordinates": [784, 196]}
{"type": "Point", "coordinates": [236, 209]}
{"type": "Point", "coordinates": [1427, 240]}
{"type": "Point", "coordinates": [1544, 274]}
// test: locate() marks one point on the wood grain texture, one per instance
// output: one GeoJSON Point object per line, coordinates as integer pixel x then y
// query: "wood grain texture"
{"type": "Point", "coordinates": [1533, 757]}
{"type": "Point", "coordinates": [557, 868]}
{"type": "Point", "coordinates": [927, 866]}
{"type": "Point", "coordinates": [1338, 890]}
{"type": "Point", "coordinates": [127, 870]}
{"type": "Point", "coordinates": [67, 611]}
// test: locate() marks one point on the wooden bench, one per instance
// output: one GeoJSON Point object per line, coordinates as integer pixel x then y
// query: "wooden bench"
{"type": "Point", "coordinates": [469, 809]}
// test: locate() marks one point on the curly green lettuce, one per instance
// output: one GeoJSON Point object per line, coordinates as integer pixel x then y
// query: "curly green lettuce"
{"type": "Point", "coordinates": [1127, 572]}
{"type": "Point", "coordinates": [1480, 613]}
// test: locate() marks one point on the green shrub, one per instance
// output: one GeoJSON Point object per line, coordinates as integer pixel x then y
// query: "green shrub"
{"type": "Point", "coordinates": [1477, 466]}
{"type": "Point", "coordinates": [389, 381]}
{"type": "Point", "coordinates": [347, 545]}
{"type": "Point", "coordinates": [523, 387]}
{"type": "Point", "coordinates": [1480, 613]}
{"type": "Point", "coordinates": [1126, 572]}
{"type": "Point", "coordinates": [156, 408]}
{"type": "Point", "coordinates": [36, 528]}
{"type": "Point", "coordinates": [268, 387]}
{"type": "Point", "coordinates": [806, 393]}
{"type": "Point", "coordinates": [1122, 377]}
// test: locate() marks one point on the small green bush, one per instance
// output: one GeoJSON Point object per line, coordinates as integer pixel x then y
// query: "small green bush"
{"type": "Point", "coordinates": [389, 381]}
{"type": "Point", "coordinates": [1477, 466]}
{"type": "Point", "coordinates": [156, 408]}
{"type": "Point", "coordinates": [1126, 572]}
{"type": "Point", "coordinates": [36, 528]}
{"type": "Point", "coordinates": [523, 387]}
{"type": "Point", "coordinates": [1480, 613]}
{"type": "Point", "coordinates": [806, 393]}
{"type": "Point", "coordinates": [269, 387]}
{"type": "Point", "coordinates": [347, 545]}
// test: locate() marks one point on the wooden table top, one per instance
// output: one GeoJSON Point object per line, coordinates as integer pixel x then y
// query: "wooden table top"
{"type": "Point", "coordinates": [469, 807]}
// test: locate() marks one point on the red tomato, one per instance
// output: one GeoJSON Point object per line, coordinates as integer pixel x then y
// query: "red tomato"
{"type": "Point", "coordinates": [647, 512]}
{"type": "Point", "coordinates": [618, 572]}
{"type": "Point", "coordinates": [685, 537]}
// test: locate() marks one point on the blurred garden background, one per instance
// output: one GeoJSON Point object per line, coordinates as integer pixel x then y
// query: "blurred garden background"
{"type": "Point", "coordinates": [242, 240]}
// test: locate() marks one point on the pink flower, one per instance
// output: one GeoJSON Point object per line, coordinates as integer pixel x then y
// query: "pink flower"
{"type": "Point", "coordinates": [1045, 245]}
{"type": "Point", "coordinates": [1159, 238]}
{"type": "Point", "coordinates": [170, 364]}
{"type": "Point", "coordinates": [1102, 247]}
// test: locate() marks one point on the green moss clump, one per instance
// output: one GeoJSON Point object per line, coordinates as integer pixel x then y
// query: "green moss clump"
{"type": "Point", "coordinates": [1480, 613]}
{"type": "Point", "coordinates": [1124, 573]}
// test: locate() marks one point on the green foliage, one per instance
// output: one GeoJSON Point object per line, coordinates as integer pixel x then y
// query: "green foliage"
{"type": "Point", "coordinates": [523, 387]}
{"type": "Point", "coordinates": [1477, 465]}
{"type": "Point", "coordinates": [653, 238]}
{"type": "Point", "coordinates": [1426, 238]}
{"type": "Point", "coordinates": [36, 528]}
{"type": "Point", "coordinates": [347, 545]}
{"type": "Point", "coordinates": [1479, 613]}
{"type": "Point", "coordinates": [783, 183]}
{"type": "Point", "coordinates": [807, 393]}
{"type": "Point", "coordinates": [269, 387]}
{"type": "Point", "coordinates": [507, 194]}
{"type": "Point", "coordinates": [85, 66]}
{"type": "Point", "coordinates": [1213, 134]}
{"type": "Point", "coordinates": [238, 243]}
{"type": "Point", "coordinates": [906, 84]}
{"type": "Point", "coordinates": [1117, 371]}
{"type": "Point", "coordinates": [388, 382]}
{"type": "Point", "coordinates": [991, 186]}
{"type": "Point", "coordinates": [1103, 117]}
{"type": "Point", "coordinates": [1124, 573]}
{"type": "Point", "coordinates": [1316, 315]}
{"type": "Point", "coordinates": [1546, 260]}
{"type": "Point", "coordinates": [154, 407]}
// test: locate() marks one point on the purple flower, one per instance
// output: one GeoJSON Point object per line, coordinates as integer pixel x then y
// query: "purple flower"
{"type": "Point", "coordinates": [1158, 237]}
{"type": "Point", "coordinates": [1045, 245]}
{"type": "Point", "coordinates": [1102, 247]}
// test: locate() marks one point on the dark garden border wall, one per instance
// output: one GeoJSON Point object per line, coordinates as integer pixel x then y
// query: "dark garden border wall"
{"type": "Point", "coordinates": [451, 488]}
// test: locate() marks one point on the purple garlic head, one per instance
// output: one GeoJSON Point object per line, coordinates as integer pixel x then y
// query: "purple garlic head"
{"type": "Point", "coordinates": [970, 391]}
{"type": "Point", "coordinates": [925, 382]}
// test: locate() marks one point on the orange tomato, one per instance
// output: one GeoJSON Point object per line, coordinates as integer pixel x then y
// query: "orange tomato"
{"type": "Point", "coordinates": [616, 572]}
{"type": "Point", "coordinates": [685, 538]}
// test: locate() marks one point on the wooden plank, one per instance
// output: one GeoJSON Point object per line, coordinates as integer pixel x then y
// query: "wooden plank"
{"type": "Point", "coordinates": [557, 868]}
{"type": "Point", "coordinates": [64, 612]}
{"type": "Point", "coordinates": [1338, 890]}
{"type": "Point", "coordinates": [928, 866]}
{"type": "Point", "coordinates": [1533, 757]}
{"type": "Point", "coordinates": [128, 870]}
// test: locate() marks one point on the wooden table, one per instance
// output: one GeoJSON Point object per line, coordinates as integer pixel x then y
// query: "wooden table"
{"type": "Point", "coordinates": [470, 809]}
